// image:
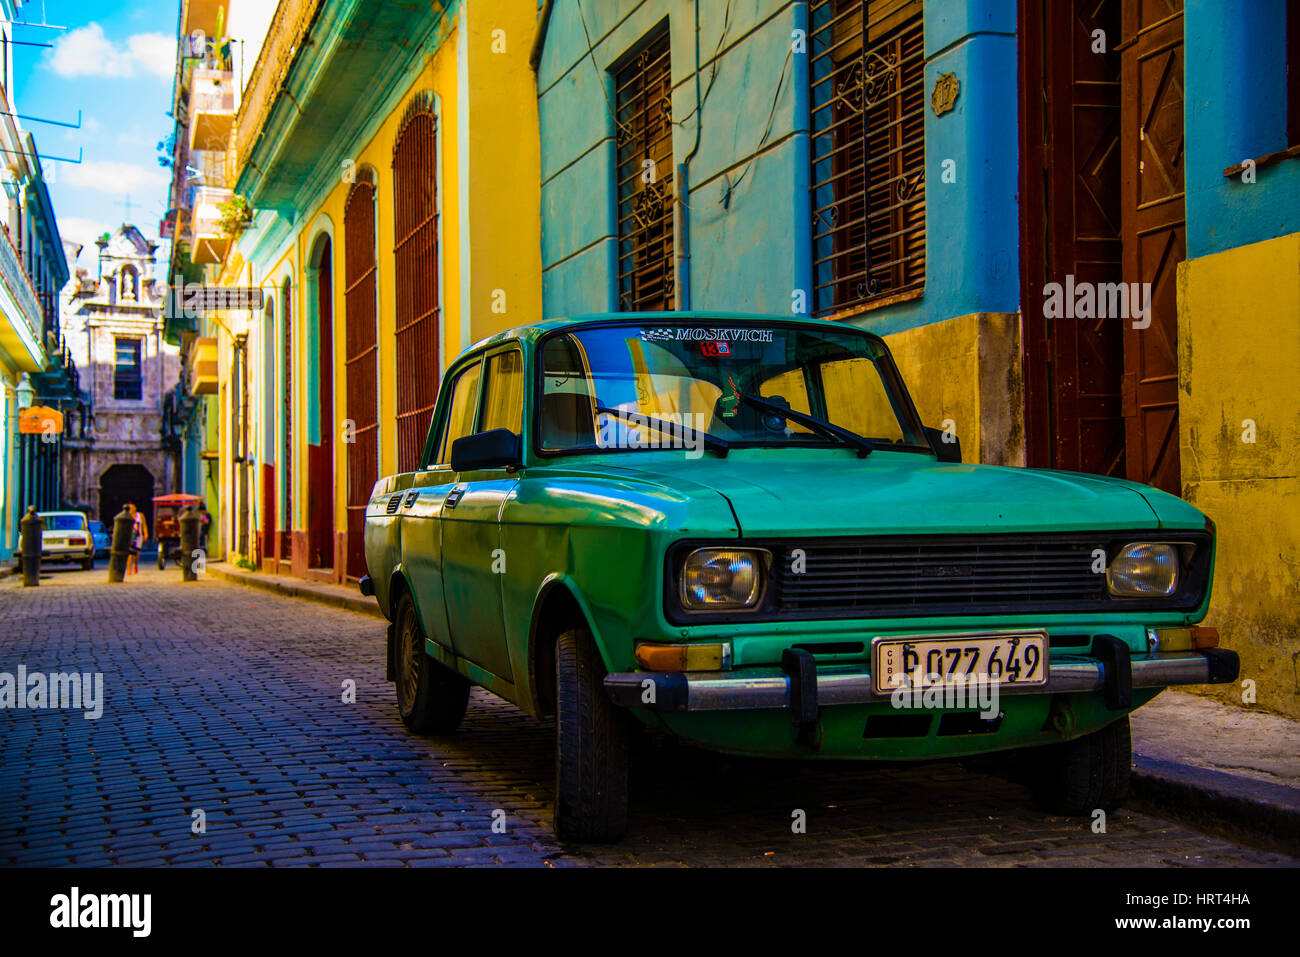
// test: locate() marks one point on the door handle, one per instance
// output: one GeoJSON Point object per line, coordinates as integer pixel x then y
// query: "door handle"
{"type": "Point", "coordinates": [453, 497]}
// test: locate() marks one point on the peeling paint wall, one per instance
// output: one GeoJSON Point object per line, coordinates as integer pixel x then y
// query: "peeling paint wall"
{"type": "Point", "coordinates": [967, 370]}
{"type": "Point", "coordinates": [1239, 361]}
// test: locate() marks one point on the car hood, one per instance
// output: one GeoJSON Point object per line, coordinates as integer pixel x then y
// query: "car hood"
{"type": "Point", "coordinates": [900, 494]}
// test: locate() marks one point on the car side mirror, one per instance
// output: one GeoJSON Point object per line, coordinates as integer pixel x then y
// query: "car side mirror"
{"type": "Point", "coordinates": [497, 449]}
{"type": "Point", "coordinates": [945, 445]}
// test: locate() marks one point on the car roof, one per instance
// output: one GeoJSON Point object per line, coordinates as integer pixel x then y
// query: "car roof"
{"type": "Point", "coordinates": [78, 514]}
{"type": "Point", "coordinates": [534, 331]}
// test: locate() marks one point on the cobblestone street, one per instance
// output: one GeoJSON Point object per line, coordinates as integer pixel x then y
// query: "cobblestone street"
{"type": "Point", "coordinates": [229, 701]}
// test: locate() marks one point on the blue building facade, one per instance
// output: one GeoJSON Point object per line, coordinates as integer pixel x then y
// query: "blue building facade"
{"type": "Point", "coordinates": [768, 212]}
{"type": "Point", "coordinates": [1077, 224]}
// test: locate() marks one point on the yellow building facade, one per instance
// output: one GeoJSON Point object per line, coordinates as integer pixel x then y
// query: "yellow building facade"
{"type": "Point", "coordinates": [305, 397]}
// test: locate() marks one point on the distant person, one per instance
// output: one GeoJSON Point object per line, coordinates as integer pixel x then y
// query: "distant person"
{"type": "Point", "coordinates": [204, 521]}
{"type": "Point", "coordinates": [139, 535]}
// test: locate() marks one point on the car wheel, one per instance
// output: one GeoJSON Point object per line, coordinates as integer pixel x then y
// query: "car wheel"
{"type": "Point", "coordinates": [591, 749]}
{"type": "Point", "coordinates": [162, 558]}
{"type": "Point", "coordinates": [1079, 776]}
{"type": "Point", "coordinates": [88, 563]}
{"type": "Point", "coordinates": [430, 697]}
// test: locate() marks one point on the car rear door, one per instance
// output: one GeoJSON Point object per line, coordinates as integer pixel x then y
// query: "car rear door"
{"type": "Point", "coordinates": [474, 562]}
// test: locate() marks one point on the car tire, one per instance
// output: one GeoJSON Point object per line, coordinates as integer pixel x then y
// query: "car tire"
{"type": "Point", "coordinates": [88, 563]}
{"type": "Point", "coordinates": [431, 698]}
{"type": "Point", "coordinates": [1093, 771]}
{"type": "Point", "coordinates": [162, 558]}
{"type": "Point", "coordinates": [591, 747]}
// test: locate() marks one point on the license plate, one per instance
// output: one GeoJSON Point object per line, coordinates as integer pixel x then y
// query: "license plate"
{"type": "Point", "coordinates": [1018, 658]}
{"type": "Point", "coordinates": [56, 541]}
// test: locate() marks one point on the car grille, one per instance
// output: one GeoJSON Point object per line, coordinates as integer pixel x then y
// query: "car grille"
{"type": "Point", "coordinates": [937, 575]}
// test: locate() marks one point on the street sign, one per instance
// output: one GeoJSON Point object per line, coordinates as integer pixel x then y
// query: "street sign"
{"type": "Point", "coordinates": [200, 299]}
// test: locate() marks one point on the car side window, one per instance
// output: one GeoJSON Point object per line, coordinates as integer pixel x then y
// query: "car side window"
{"type": "Point", "coordinates": [460, 412]}
{"type": "Point", "coordinates": [503, 396]}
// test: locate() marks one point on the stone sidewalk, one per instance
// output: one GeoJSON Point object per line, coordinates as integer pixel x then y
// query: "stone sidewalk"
{"type": "Point", "coordinates": [340, 596]}
{"type": "Point", "coordinates": [1205, 761]}
{"type": "Point", "coordinates": [1194, 758]}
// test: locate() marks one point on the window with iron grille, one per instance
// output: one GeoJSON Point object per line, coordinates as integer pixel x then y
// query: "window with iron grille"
{"type": "Point", "coordinates": [415, 251]}
{"type": "Point", "coordinates": [643, 92]}
{"type": "Point", "coordinates": [362, 361]}
{"type": "Point", "coordinates": [867, 103]}
{"type": "Point", "coordinates": [128, 383]}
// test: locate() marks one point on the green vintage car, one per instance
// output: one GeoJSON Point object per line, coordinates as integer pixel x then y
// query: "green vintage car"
{"type": "Point", "coordinates": [736, 529]}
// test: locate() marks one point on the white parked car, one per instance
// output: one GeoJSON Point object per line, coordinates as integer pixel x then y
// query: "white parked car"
{"type": "Point", "coordinates": [67, 538]}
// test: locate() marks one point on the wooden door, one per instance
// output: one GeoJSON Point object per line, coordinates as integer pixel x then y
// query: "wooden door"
{"type": "Point", "coordinates": [320, 458]}
{"type": "Point", "coordinates": [1154, 233]}
{"type": "Point", "coordinates": [1071, 215]}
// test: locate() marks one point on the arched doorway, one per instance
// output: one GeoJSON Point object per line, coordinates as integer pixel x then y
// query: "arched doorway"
{"type": "Point", "coordinates": [415, 254]}
{"type": "Point", "coordinates": [320, 435]}
{"type": "Point", "coordinates": [266, 537]}
{"type": "Point", "coordinates": [362, 361]}
{"type": "Point", "coordinates": [286, 433]}
{"type": "Point", "coordinates": [121, 484]}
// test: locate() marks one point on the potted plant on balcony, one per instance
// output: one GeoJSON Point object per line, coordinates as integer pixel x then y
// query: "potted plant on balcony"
{"type": "Point", "coordinates": [234, 215]}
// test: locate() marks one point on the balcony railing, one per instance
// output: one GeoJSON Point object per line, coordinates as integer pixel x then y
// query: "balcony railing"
{"type": "Point", "coordinates": [20, 286]}
{"type": "Point", "coordinates": [284, 39]}
{"type": "Point", "coordinates": [211, 109]}
{"type": "Point", "coordinates": [209, 237]}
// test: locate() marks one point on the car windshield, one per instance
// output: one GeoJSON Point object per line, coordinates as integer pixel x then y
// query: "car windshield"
{"type": "Point", "coordinates": [64, 523]}
{"type": "Point", "coordinates": [651, 385]}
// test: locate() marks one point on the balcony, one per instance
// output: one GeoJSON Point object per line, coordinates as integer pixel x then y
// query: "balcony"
{"type": "Point", "coordinates": [202, 367]}
{"type": "Point", "coordinates": [205, 15]}
{"type": "Point", "coordinates": [21, 318]}
{"type": "Point", "coordinates": [284, 39]}
{"type": "Point", "coordinates": [211, 109]}
{"type": "Point", "coordinates": [210, 238]}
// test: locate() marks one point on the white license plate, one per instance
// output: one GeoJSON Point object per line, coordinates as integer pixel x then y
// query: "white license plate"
{"type": "Point", "coordinates": [1018, 658]}
{"type": "Point", "coordinates": [56, 541]}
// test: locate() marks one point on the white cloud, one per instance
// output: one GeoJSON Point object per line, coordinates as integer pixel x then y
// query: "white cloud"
{"type": "Point", "coordinates": [81, 230]}
{"type": "Point", "coordinates": [86, 51]}
{"type": "Point", "coordinates": [155, 52]}
{"type": "Point", "coordinates": [117, 178]}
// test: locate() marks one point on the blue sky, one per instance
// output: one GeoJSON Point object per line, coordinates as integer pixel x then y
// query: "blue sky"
{"type": "Point", "coordinates": [115, 64]}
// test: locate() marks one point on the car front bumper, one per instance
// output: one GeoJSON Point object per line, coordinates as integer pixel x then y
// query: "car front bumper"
{"type": "Point", "coordinates": [800, 686]}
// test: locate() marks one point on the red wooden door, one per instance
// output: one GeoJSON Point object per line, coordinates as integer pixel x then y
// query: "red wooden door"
{"type": "Point", "coordinates": [1154, 233]}
{"type": "Point", "coordinates": [286, 467]}
{"type": "Point", "coordinates": [361, 362]}
{"type": "Point", "coordinates": [320, 494]}
{"type": "Point", "coordinates": [1071, 214]}
{"type": "Point", "coordinates": [267, 536]}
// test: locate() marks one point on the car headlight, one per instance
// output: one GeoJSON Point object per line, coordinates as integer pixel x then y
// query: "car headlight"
{"type": "Point", "coordinates": [1143, 570]}
{"type": "Point", "coordinates": [723, 579]}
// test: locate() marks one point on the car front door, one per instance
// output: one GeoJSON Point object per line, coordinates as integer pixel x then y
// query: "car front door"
{"type": "Point", "coordinates": [474, 562]}
{"type": "Point", "coordinates": [422, 504]}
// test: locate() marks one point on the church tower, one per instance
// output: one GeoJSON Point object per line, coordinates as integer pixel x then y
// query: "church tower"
{"type": "Point", "coordinates": [113, 325]}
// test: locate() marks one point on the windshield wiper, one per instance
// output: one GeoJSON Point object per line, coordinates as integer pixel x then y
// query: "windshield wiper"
{"type": "Point", "coordinates": [713, 442]}
{"type": "Point", "coordinates": [863, 444]}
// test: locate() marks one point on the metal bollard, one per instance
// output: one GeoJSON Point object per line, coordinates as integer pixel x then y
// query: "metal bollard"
{"type": "Point", "coordinates": [29, 546]}
{"type": "Point", "coordinates": [120, 550]}
{"type": "Point", "coordinates": [189, 523]}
